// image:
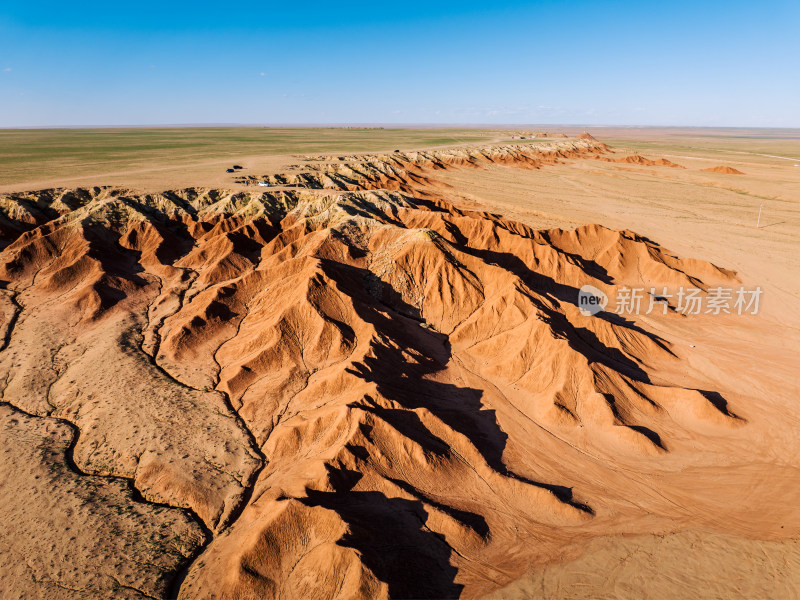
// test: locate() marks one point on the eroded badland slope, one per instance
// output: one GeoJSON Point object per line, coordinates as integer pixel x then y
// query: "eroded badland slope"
{"type": "Point", "coordinates": [344, 388]}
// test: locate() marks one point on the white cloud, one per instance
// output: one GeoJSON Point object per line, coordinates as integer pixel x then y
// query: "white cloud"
{"type": "Point", "coordinates": [262, 74]}
{"type": "Point", "coordinates": [7, 70]}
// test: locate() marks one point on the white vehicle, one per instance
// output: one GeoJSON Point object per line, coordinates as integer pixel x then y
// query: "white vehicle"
{"type": "Point", "coordinates": [264, 184]}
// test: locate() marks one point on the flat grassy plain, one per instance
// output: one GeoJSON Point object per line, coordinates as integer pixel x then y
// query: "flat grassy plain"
{"type": "Point", "coordinates": [174, 157]}
{"type": "Point", "coordinates": [38, 155]}
{"type": "Point", "coordinates": [754, 145]}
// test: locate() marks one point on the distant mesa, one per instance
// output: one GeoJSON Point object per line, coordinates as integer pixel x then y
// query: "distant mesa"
{"type": "Point", "coordinates": [587, 136]}
{"type": "Point", "coordinates": [723, 169]}
{"type": "Point", "coordinates": [663, 162]}
{"type": "Point", "coordinates": [637, 159]}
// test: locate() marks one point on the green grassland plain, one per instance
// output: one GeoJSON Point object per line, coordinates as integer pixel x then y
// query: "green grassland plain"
{"type": "Point", "coordinates": [49, 154]}
{"type": "Point", "coordinates": [35, 158]}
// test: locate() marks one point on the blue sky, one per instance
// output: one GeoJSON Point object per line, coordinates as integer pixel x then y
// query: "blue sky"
{"type": "Point", "coordinates": [596, 62]}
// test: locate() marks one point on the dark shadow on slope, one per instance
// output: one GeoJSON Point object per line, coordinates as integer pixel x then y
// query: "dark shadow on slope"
{"type": "Point", "coordinates": [408, 424]}
{"type": "Point", "coordinates": [645, 431]}
{"type": "Point", "coordinates": [719, 403]}
{"type": "Point", "coordinates": [433, 206]}
{"type": "Point", "coordinates": [115, 260]}
{"type": "Point", "coordinates": [545, 285]}
{"type": "Point", "coordinates": [38, 211]}
{"type": "Point", "coordinates": [359, 207]}
{"type": "Point", "coordinates": [177, 241]}
{"type": "Point", "coordinates": [183, 203]}
{"type": "Point", "coordinates": [394, 543]}
{"type": "Point", "coordinates": [117, 263]}
{"type": "Point", "coordinates": [649, 434]}
{"type": "Point", "coordinates": [585, 342]}
{"type": "Point", "coordinates": [470, 519]}
{"type": "Point", "coordinates": [247, 237]}
{"type": "Point", "coordinates": [399, 368]}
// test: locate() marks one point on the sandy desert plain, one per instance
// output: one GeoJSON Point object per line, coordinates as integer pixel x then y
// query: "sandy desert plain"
{"type": "Point", "coordinates": [372, 379]}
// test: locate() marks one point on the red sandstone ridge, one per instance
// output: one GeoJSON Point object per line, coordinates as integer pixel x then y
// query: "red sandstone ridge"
{"type": "Point", "coordinates": [309, 376]}
{"type": "Point", "coordinates": [412, 172]}
{"type": "Point", "coordinates": [350, 389]}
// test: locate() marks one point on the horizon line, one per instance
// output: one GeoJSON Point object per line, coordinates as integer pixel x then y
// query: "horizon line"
{"type": "Point", "coordinates": [390, 126]}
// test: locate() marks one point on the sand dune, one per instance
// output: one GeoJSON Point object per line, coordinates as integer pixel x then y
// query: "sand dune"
{"type": "Point", "coordinates": [354, 388]}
